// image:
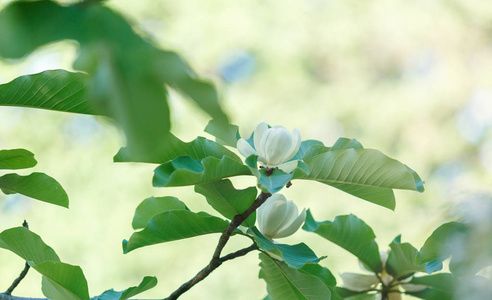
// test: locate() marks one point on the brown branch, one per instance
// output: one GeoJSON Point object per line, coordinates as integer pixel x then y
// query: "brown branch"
{"type": "Point", "coordinates": [216, 260]}
{"type": "Point", "coordinates": [23, 274]}
{"type": "Point", "coordinates": [10, 297]}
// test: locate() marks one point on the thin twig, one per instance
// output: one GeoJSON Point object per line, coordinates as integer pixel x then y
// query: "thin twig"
{"type": "Point", "coordinates": [23, 274]}
{"type": "Point", "coordinates": [216, 260]}
{"type": "Point", "coordinates": [10, 297]}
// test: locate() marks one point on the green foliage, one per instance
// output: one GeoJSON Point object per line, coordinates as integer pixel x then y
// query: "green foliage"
{"type": "Point", "coordinates": [444, 282]}
{"type": "Point", "coordinates": [36, 185]}
{"type": "Point", "coordinates": [227, 135]}
{"type": "Point", "coordinates": [295, 256]}
{"type": "Point", "coordinates": [227, 200]}
{"type": "Point", "coordinates": [146, 284]}
{"type": "Point", "coordinates": [62, 281]}
{"type": "Point", "coordinates": [441, 242]}
{"type": "Point", "coordinates": [285, 283]}
{"type": "Point", "coordinates": [153, 206]}
{"type": "Point", "coordinates": [28, 245]}
{"type": "Point", "coordinates": [403, 260]}
{"type": "Point", "coordinates": [350, 233]}
{"type": "Point", "coordinates": [16, 159]}
{"type": "Point", "coordinates": [174, 225]}
{"type": "Point", "coordinates": [57, 90]}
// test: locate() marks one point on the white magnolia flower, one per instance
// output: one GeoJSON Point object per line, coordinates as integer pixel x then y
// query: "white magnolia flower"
{"type": "Point", "coordinates": [274, 146]}
{"type": "Point", "coordinates": [278, 218]}
{"type": "Point", "coordinates": [361, 282]}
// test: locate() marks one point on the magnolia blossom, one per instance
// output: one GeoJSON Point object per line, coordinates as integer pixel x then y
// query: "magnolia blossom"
{"type": "Point", "coordinates": [278, 218]}
{"type": "Point", "coordinates": [274, 146]}
{"type": "Point", "coordinates": [362, 282]}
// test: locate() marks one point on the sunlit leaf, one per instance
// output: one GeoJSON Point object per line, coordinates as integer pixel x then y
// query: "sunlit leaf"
{"type": "Point", "coordinates": [62, 281]}
{"type": "Point", "coordinates": [153, 206]}
{"type": "Point", "coordinates": [28, 245]}
{"type": "Point", "coordinates": [146, 284]}
{"type": "Point", "coordinates": [16, 159]}
{"type": "Point", "coordinates": [36, 185]}
{"type": "Point", "coordinates": [174, 225]}
{"type": "Point", "coordinates": [226, 135]}
{"type": "Point", "coordinates": [285, 283]}
{"type": "Point", "coordinates": [403, 260]}
{"type": "Point", "coordinates": [227, 200]}
{"type": "Point", "coordinates": [350, 233]}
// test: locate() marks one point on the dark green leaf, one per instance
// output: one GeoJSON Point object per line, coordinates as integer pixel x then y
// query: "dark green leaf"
{"type": "Point", "coordinates": [174, 225]}
{"type": "Point", "coordinates": [295, 256]}
{"type": "Point", "coordinates": [403, 260]}
{"type": "Point", "coordinates": [28, 245]}
{"type": "Point", "coordinates": [350, 233]}
{"type": "Point", "coordinates": [442, 281]}
{"type": "Point", "coordinates": [432, 294]}
{"type": "Point", "coordinates": [346, 293]}
{"type": "Point", "coordinates": [16, 159]}
{"type": "Point", "coordinates": [36, 185]}
{"type": "Point", "coordinates": [227, 200]}
{"type": "Point", "coordinates": [153, 206]}
{"type": "Point", "coordinates": [285, 283]}
{"type": "Point", "coordinates": [146, 284]}
{"type": "Point", "coordinates": [441, 242]}
{"type": "Point", "coordinates": [185, 170]}
{"type": "Point", "coordinates": [57, 90]}
{"type": "Point", "coordinates": [62, 281]}
{"type": "Point", "coordinates": [225, 134]}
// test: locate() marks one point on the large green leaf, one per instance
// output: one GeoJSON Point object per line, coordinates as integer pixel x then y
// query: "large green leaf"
{"type": "Point", "coordinates": [295, 256]}
{"type": "Point", "coordinates": [199, 148]}
{"type": "Point", "coordinates": [227, 200]}
{"type": "Point", "coordinates": [442, 241]}
{"type": "Point", "coordinates": [350, 233]}
{"type": "Point", "coordinates": [285, 283]}
{"type": "Point", "coordinates": [27, 245]}
{"type": "Point", "coordinates": [146, 284]}
{"type": "Point", "coordinates": [36, 185]}
{"type": "Point", "coordinates": [443, 281]}
{"type": "Point", "coordinates": [324, 275]}
{"type": "Point", "coordinates": [16, 159]}
{"type": "Point", "coordinates": [174, 225]}
{"type": "Point", "coordinates": [432, 294]}
{"type": "Point", "coordinates": [226, 135]}
{"type": "Point", "coordinates": [185, 170]}
{"type": "Point", "coordinates": [62, 281]}
{"type": "Point", "coordinates": [403, 260]}
{"type": "Point", "coordinates": [153, 206]}
{"type": "Point", "coordinates": [127, 74]}
{"type": "Point", "coordinates": [364, 173]}
{"type": "Point", "coordinates": [57, 90]}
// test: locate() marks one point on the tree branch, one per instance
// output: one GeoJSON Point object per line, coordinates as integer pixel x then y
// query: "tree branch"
{"type": "Point", "coordinates": [216, 260]}
{"type": "Point", "coordinates": [23, 274]}
{"type": "Point", "coordinates": [10, 297]}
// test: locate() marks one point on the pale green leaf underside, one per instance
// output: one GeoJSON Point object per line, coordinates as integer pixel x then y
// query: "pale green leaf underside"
{"type": "Point", "coordinates": [62, 281]}
{"type": "Point", "coordinates": [147, 283]}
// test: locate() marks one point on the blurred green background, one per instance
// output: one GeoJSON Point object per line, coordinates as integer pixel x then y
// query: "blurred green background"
{"type": "Point", "coordinates": [410, 78]}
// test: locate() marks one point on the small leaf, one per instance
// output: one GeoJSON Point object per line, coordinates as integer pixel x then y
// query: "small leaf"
{"type": "Point", "coordinates": [403, 260]}
{"type": "Point", "coordinates": [284, 283]}
{"type": "Point", "coordinates": [153, 206]}
{"type": "Point", "coordinates": [274, 182]}
{"type": "Point", "coordinates": [62, 281]}
{"type": "Point", "coordinates": [185, 170]}
{"type": "Point", "coordinates": [227, 200]}
{"type": "Point", "coordinates": [226, 134]}
{"type": "Point", "coordinates": [36, 185]}
{"type": "Point", "coordinates": [28, 245]}
{"type": "Point", "coordinates": [16, 159]}
{"type": "Point", "coordinates": [350, 233]}
{"type": "Point", "coordinates": [295, 256]}
{"type": "Point", "coordinates": [174, 225]}
{"type": "Point", "coordinates": [146, 284]}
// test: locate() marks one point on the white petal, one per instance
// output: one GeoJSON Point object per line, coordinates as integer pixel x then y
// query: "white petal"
{"type": "Point", "coordinates": [268, 212]}
{"type": "Point", "coordinates": [277, 145]}
{"type": "Point", "coordinates": [288, 167]}
{"type": "Point", "coordinates": [384, 257]}
{"type": "Point", "coordinates": [358, 282]}
{"type": "Point", "coordinates": [245, 148]}
{"type": "Point", "coordinates": [258, 134]}
{"type": "Point", "coordinates": [408, 287]}
{"type": "Point", "coordinates": [293, 227]}
{"type": "Point", "coordinates": [296, 144]}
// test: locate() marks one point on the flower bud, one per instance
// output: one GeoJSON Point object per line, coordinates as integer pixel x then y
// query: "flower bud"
{"type": "Point", "coordinates": [274, 146]}
{"type": "Point", "coordinates": [278, 218]}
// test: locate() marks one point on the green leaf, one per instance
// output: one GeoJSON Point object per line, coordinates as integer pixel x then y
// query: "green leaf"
{"type": "Point", "coordinates": [57, 90]}
{"type": "Point", "coordinates": [36, 185]}
{"type": "Point", "coordinates": [440, 244]}
{"type": "Point", "coordinates": [274, 182]}
{"type": "Point", "coordinates": [346, 293]}
{"type": "Point", "coordinates": [305, 145]}
{"type": "Point", "coordinates": [295, 256]}
{"type": "Point", "coordinates": [443, 281]}
{"type": "Point", "coordinates": [403, 260]}
{"type": "Point", "coordinates": [199, 148]}
{"type": "Point", "coordinates": [16, 159]}
{"type": "Point", "coordinates": [62, 281]}
{"type": "Point", "coordinates": [226, 134]}
{"type": "Point", "coordinates": [324, 275]}
{"type": "Point", "coordinates": [185, 170]}
{"type": "Point", "coordinates": [432, 294]}
{"type": "Point", "coordinates": [28, 245]}
{"type": "Point", "coordinates": [284, 283]}
{"type": "Point", "coordinates": [174, 225]}
{"type": "Point", "coordinates": [364, 173]}
{"type": "Point", "coordinates": [350, 233]}
{"type": "Point", "coordinates": [146, 284]}
{"type": "Point", "coordinates": [227, 200]}
{"type": "Point", "coordinates": [153, 206]}
{"type": "Point", "coordinates": [345, 143]}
